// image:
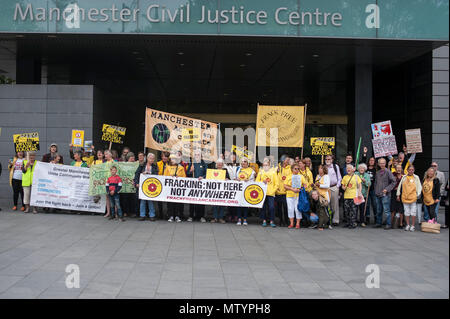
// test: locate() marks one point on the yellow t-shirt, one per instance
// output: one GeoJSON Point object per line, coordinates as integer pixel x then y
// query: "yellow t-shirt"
{"type": "Point", "coordinates": [88, 159]}
{"type": "Point", "coordinates": [78, 164]}
{"type": "Point", "coordinates": [288, 182]}
{"type": "Point", "coordinates": [245, 173]}
{"type": "Point", "coordinates": [170, 171]}
{"type": "Point", "coordinates": [324, 192]}
{"type": "Point", "coordinates": [96, 162]}
{"type": "Point", "coordinates": [272, 180]}
{"type": "Point", "coordinates": [352, 185]}
{"type": "Point", "coordinates": [309, 180]}
{"type": "Point", "coordinates": [427, 191]}
{"type": "Point", "coordinates": [409, 191]}
{"type": "Point", "coordinates": [255, 167]}
{"type": "Point", "coordinates": [283, 174]}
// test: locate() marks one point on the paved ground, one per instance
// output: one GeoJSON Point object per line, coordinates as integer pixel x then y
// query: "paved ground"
{"type": "Point", "coordinates": [193, 260]}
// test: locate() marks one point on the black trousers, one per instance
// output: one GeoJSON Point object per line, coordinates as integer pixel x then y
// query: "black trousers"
{"type": "Point", "coordinates": [175, 209]}
{"type": "Point", "coordinates": [446, 215]}
{"type": "Point", "coordinates": [17, 190]}
{"type": "Point", "coordinates": [281, 209]}
{"type": "Point", "coordinates": [128, 203]}
{"type": "Point", "coordinates": [196, 211]}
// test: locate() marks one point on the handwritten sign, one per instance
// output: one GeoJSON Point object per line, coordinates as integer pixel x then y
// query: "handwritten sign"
{"type": "Point", "coordinates": [384, 146]}
{"type": "Point", "coordinates": [414, 141]}
{"type": "Point", "coordinates": [26, 142]}
{"type": "Point", "coordinates": [112, 133]}
{"type": "Point", "coordinates": [322, 145]}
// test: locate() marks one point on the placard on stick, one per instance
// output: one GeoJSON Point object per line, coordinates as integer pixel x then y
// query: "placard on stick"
{"type": "Point", "coordinates": [113, 134]}
{"type": "Point", "coordinates": [26, 142]}
{"type": "Point", "coordinates": [413, 141]}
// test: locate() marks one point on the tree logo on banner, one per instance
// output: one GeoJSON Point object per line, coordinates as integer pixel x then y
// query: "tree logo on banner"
{"type": "Point", "coordinates": [152, 187]}
{"type": "Point", "coordinates": [253, 194]}
{"type": "Point", "coordinates": [160, 133]}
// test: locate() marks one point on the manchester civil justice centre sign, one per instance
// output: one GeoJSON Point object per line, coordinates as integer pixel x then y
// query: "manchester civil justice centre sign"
{"type": "Point", "coordinates": [402, 19]}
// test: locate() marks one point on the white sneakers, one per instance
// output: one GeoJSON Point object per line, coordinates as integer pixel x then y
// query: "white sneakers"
{"type": "Point", "coordinates": [407, 228]}
{"type": "Point", "coordinates": [189, 219]}
{"type": "Point", "coordinates": [239, 223]}
{"type": "Point", "coordinates": [170, 220]}
{"type": "Point", "coordinates": [177, 219]}
{"type": "Point", "coordinates": [203, 220]}
{"type": "Point", "coordinates": [412, 228]}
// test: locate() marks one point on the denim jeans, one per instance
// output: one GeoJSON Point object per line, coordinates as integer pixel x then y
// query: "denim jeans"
{"type": "Point", "coordinates": [371, 201]}
{"type": "Point", "coordinates": [114, 200]}
{"type": "Point", "coordinates": [426, 213]}
{"type": "Point", "coordinates": [268, 209]}
{"type": "Point", "coordinates": [384, 206]}
{"type": "Point", "coordinates": [242, 211]}
{"type": "Point", "coordinates": [151, 208]}
{"type": "Point", "coordinates": [218, 212]}
{"type": "Point", "coordinates": [311, 219]}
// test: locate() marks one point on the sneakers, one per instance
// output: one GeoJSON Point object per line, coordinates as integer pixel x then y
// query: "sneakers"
{"type": "Point", "coordinates": [34, 210]}
{"type": "Point", "coordinates": [122, 219]}
{"type": "Point", "coordinates": [407, 227]}
{"type": "Point", "coordinates": [264, 224]}
{"type": "Point", "coordinates": [189, 219]}
{"type": "Point", "coordinates": [272, 224]}
{"type": "Point", "coordinates": [222, 221]}
{"type": "Point", "coordinates": [363, 225]}
{"type": "Point", "coordinates": [214, 220]}
{"type": "Point", "coordinates": [203, 220]}
{"type": "Point", "coordinates": [412, 228]}
{"type": "Point", "coordinates": [141, 219]}
{"type": "Point", "coordinates": [177, 219]}
{"type": "Point", "coordinates": [111, 218]}
{"type": "Point", "coordinates": [312, 227]}
{"type": "Point", "coordinates": [170, 219]}
{"type": "Point", "coordinates": [239, 223]}
{"type": "Point", "coordinates": [245, 223]}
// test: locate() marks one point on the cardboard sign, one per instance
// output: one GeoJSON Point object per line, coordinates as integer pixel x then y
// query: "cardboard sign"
{"type": "Point", "coordinates": [384, 146]}
{"type": "Point", "coordinates": [242, 152]}
{"type": "Point", "coordinates": [77, 138]}
{"type": "Point", "coordinates": [112, 133]}
{"type": "Point", "coordinates": [217, 174]}
{"type": "Point", "coordinates": [414, 141]}
{"type": "Point", "coordinates": [322, 145]}
{"type": "Point", "coordinates": [206, 192]}
{"type": "Point", "coordinates": [26, 142]}
{"type": "Point", "coordinates": [382, 129]}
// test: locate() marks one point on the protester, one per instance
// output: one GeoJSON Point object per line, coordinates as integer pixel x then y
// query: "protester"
{"type": "Point", "coordinates": [446, 199]}
{"type": "Point", "coordinates": [115, 155]}
{"type": "Point", "coordinates": [128, 200]}
{"type": "Point", "coordinates": [232, 169]}
{"type": "Point", "coordinates": [27, 180]}
{"type": "Point", "coordinates": [384, 184]}
{"type": "Point", "coordinates": [162, 164]}
{"type": "Point", "coordinates": [219, 211]}
{"type": "Point", "coordinates": [196, 169]}
{"type": "Point", "coordinates": [334, 174]}
{"type": "Point", "coordinates": [365, 184]}
{"type": "Point", "coordinates": [348, 160]}
{"type": "Point", "coordinates": [317, 215]}
{"type": "Point", "coordinates": [123, 157]}
{"type": "Point", "coordinates": [86, 156]}
{"type": "Point", "coordinates": [292, 196]}
{"type": "Point", "coordinates": [51, 155]}
{"type": "Point", "coordinates": [397, 210]}
{"type": "Point", "coordinates": [283, 172]}
{"type": "Point", "coordinates": [431, 195]}
{"type": "Point", "coordinates": [408, 191]}
{"type": "Point", "coordinates": [307, 175]}
{"type": "Point", "coordinates": [371, 199]}
{"type": "Point", "coordinates": [270, 178]}
{"type": "Point", "coordinates": [15, 178]}
{"type": "Point", "coordinates": [309, 164]}
{"type": "Point", "coordinates": [100, 158]}
{"type": "Point", "coordinates": [322, 184]}
{"type": "Point", "coordinates": [351, 184]}
{"type": "Point", "coordinates": [245, 174]}
{"type": "Point", "coordinates": [108, 159]}
{"type": "Point", "coordinates": [113, 187]}
{"type": "Point", "coordinates": [56, 160]}
{"type": "Point", "coordinates": [150, 168]}
{"type": "Point", "coordinates": [141, 158]}
{"type": "Point", "coordinates": [175, 210]}
{"type": "Point", "coordinates": [182, 162]}
{"type": "Point", "coordinates": [78, 162]}
{"type": "Point", "coordinates": [441, 177]}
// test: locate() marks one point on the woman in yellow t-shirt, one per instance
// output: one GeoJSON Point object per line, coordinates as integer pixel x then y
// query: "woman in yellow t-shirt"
{"type": "Point", "coordinates": [270, 178]}
{"type": "Point", "coordinates": [244, 174]}
{"type": "Point", "coordinates": [100, 158]}
{"type": "Point", "coordinates": [351, 184]}
{"type": "Point", "coordinates": [431, 194]}
{"type": "Point", "coordinates": [307, 175]}
{"type": "Point", "coordinates": [292, 196]}
{"type": "Point", "coordinates": [174, 169]}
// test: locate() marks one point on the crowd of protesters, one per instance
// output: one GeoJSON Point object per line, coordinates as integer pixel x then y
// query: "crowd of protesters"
{"type": "Point", "coordinates": [386, 188]}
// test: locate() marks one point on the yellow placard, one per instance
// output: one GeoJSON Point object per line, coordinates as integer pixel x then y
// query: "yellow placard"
{"type": "Point", "coordinates": [218, 174]}
{"type": "Point", "coordinates": [242, 152]}
{"type": "Point", "coordinates": [26, 142]}
{"type": "Point", "coordinates": [322, 145]}
{"type": "Point", "coordinates": [280, 126]}
{"type": "Point", "coordinates": [113, 133]}
{"type": "Point", "coordinates": [191, 134]}
{"type": "Point", "coordinates": [77, 138]}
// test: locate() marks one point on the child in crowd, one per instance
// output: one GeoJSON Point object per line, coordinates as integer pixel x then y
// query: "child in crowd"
{"type": "Point", "coordinates": [270, 178]}
{"type": "Point", "coordinates": [113, 186]}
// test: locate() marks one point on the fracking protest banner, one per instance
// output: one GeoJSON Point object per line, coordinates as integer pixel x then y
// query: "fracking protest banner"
{"type": "Point", "coordinates": [206, 192]}
{"type": "Point", "coordinates": [171, 132]}
{"type": "Point", "coordinates": [26, 142]}
{"type": "Point", "coordinates": [288, 122]}
{"type": "Point", "coordinates": [413, 141]}
{"type": "Point", "coordinates": [218, 174]}
{"type": "Point", "coordinates": [384, 146]}
{"type": "Point", "coordinates": [99, 174]}
{"type": "Point", "coordinates": [322, 145]}
{"type": "Point", "coordinates": [242, 152]}
{"type": "Point", "coordinates": [77, 138]}
{"type": "Point", "coordinates": [113, 133]}
{"type": "Point", "coordinates": [382, 129]}
{"type": "Point", "coordinates": [64, 187]}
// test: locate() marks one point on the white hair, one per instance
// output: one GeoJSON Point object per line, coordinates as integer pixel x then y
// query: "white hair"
{"type": "Point", "coordinates": [150, 155]}
{"type": "Point", "coordinates": [350, 165]}
{"type": "Point", "coordinates": [363, 166]}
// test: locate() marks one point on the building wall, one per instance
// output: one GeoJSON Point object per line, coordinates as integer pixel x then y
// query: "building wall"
{"type": "Point", "coordinates": [440, 107]}
{"type": "Point", "coordinates": [51, 110]}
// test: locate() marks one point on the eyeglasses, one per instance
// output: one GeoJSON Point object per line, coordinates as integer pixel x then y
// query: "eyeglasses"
{"type": "Point", "coordinates": [295, 168]}
{"type": "Point", "coordinates": [433, 165]}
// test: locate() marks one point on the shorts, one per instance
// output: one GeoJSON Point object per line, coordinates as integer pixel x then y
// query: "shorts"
{"type": "Point", "coordinates": [410, 209]}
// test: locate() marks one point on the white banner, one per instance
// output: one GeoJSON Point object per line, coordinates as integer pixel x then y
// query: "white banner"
{"type": "Point", "coordinates": [64, 187]}
{"type": "Point", "coordinates": [205, 191]}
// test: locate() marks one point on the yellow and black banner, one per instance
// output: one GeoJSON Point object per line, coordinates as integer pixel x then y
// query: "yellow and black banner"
{"type": "Point", "coordinates": [322, 145]}
{"type": "Point", "coordinates": [26, 142]}
{"type": "Point", "coordinates": [112, 133]}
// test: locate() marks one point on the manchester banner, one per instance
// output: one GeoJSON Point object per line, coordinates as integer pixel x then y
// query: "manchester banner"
{"type": "Point", "coordinates": [288, 120]}
{"type": "Point", "coordinates": [64, 187]}
{"type": "Point", "coordinates": [206, 192]}
{"type": "Point", "coordinates": [26, 142]}
{"type": "Point", "coordinates": [171, 132]}
{"type": "Point", "coordinates": [99, 174]}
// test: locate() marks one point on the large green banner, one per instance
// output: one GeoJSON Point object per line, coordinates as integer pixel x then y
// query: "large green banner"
{"type": "Point", "coordinates": [99, 174]}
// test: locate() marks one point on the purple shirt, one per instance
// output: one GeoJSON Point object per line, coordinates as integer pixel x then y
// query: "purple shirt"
{"type": "Point", "coordinates": [335, 177]}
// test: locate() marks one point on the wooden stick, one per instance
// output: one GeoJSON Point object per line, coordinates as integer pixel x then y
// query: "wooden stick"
{"type": "Point", "coordinates": [322, 160]}
{"type": "Point", "coordinates": [304, 125]}
{"type": "Point", "coordinates": [110, 144]}
{"type": "Point", "coordinates": [365, 204]}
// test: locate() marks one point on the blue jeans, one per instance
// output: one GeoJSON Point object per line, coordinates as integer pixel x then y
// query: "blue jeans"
{"type": "Point", "coordinates": [384, 206]}
{"type": "Point", "coordinates": [426, 213]}
{"type": "Point", "coordinates": [371, 201]}
{"type": "Point", "coordinates": [218, 212]}
{"type": "Point", "coordinates": [242, 211]}
{"type": "Point", "coordinates": [309, 218]}
{"type": "Point", "coordinates": [268, 209]}
{"type": "Point", "coordinates": [151, 208]}
{"type": "Point", "coordinates": [114, 200]}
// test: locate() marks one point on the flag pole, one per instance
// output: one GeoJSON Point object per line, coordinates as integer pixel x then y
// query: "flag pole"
{"type": "Point", "coordinates": [304, 125]}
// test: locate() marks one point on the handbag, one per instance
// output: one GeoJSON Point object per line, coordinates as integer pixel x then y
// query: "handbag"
{"type": "Point", "coordinates": [430, 228]}
{"type": "Point", "coordinates": [303, 201]}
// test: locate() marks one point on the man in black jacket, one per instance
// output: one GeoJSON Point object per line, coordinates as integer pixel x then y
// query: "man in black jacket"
{"type": "Point", "coordinates": [149, 168]}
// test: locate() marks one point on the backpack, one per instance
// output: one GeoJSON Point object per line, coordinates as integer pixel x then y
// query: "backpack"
{"type": "Point", "coordinates": [303, 201]}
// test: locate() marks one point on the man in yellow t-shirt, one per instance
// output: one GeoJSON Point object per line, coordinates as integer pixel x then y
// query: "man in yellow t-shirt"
{"type": "Point", "coordinates": [351, 184]}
